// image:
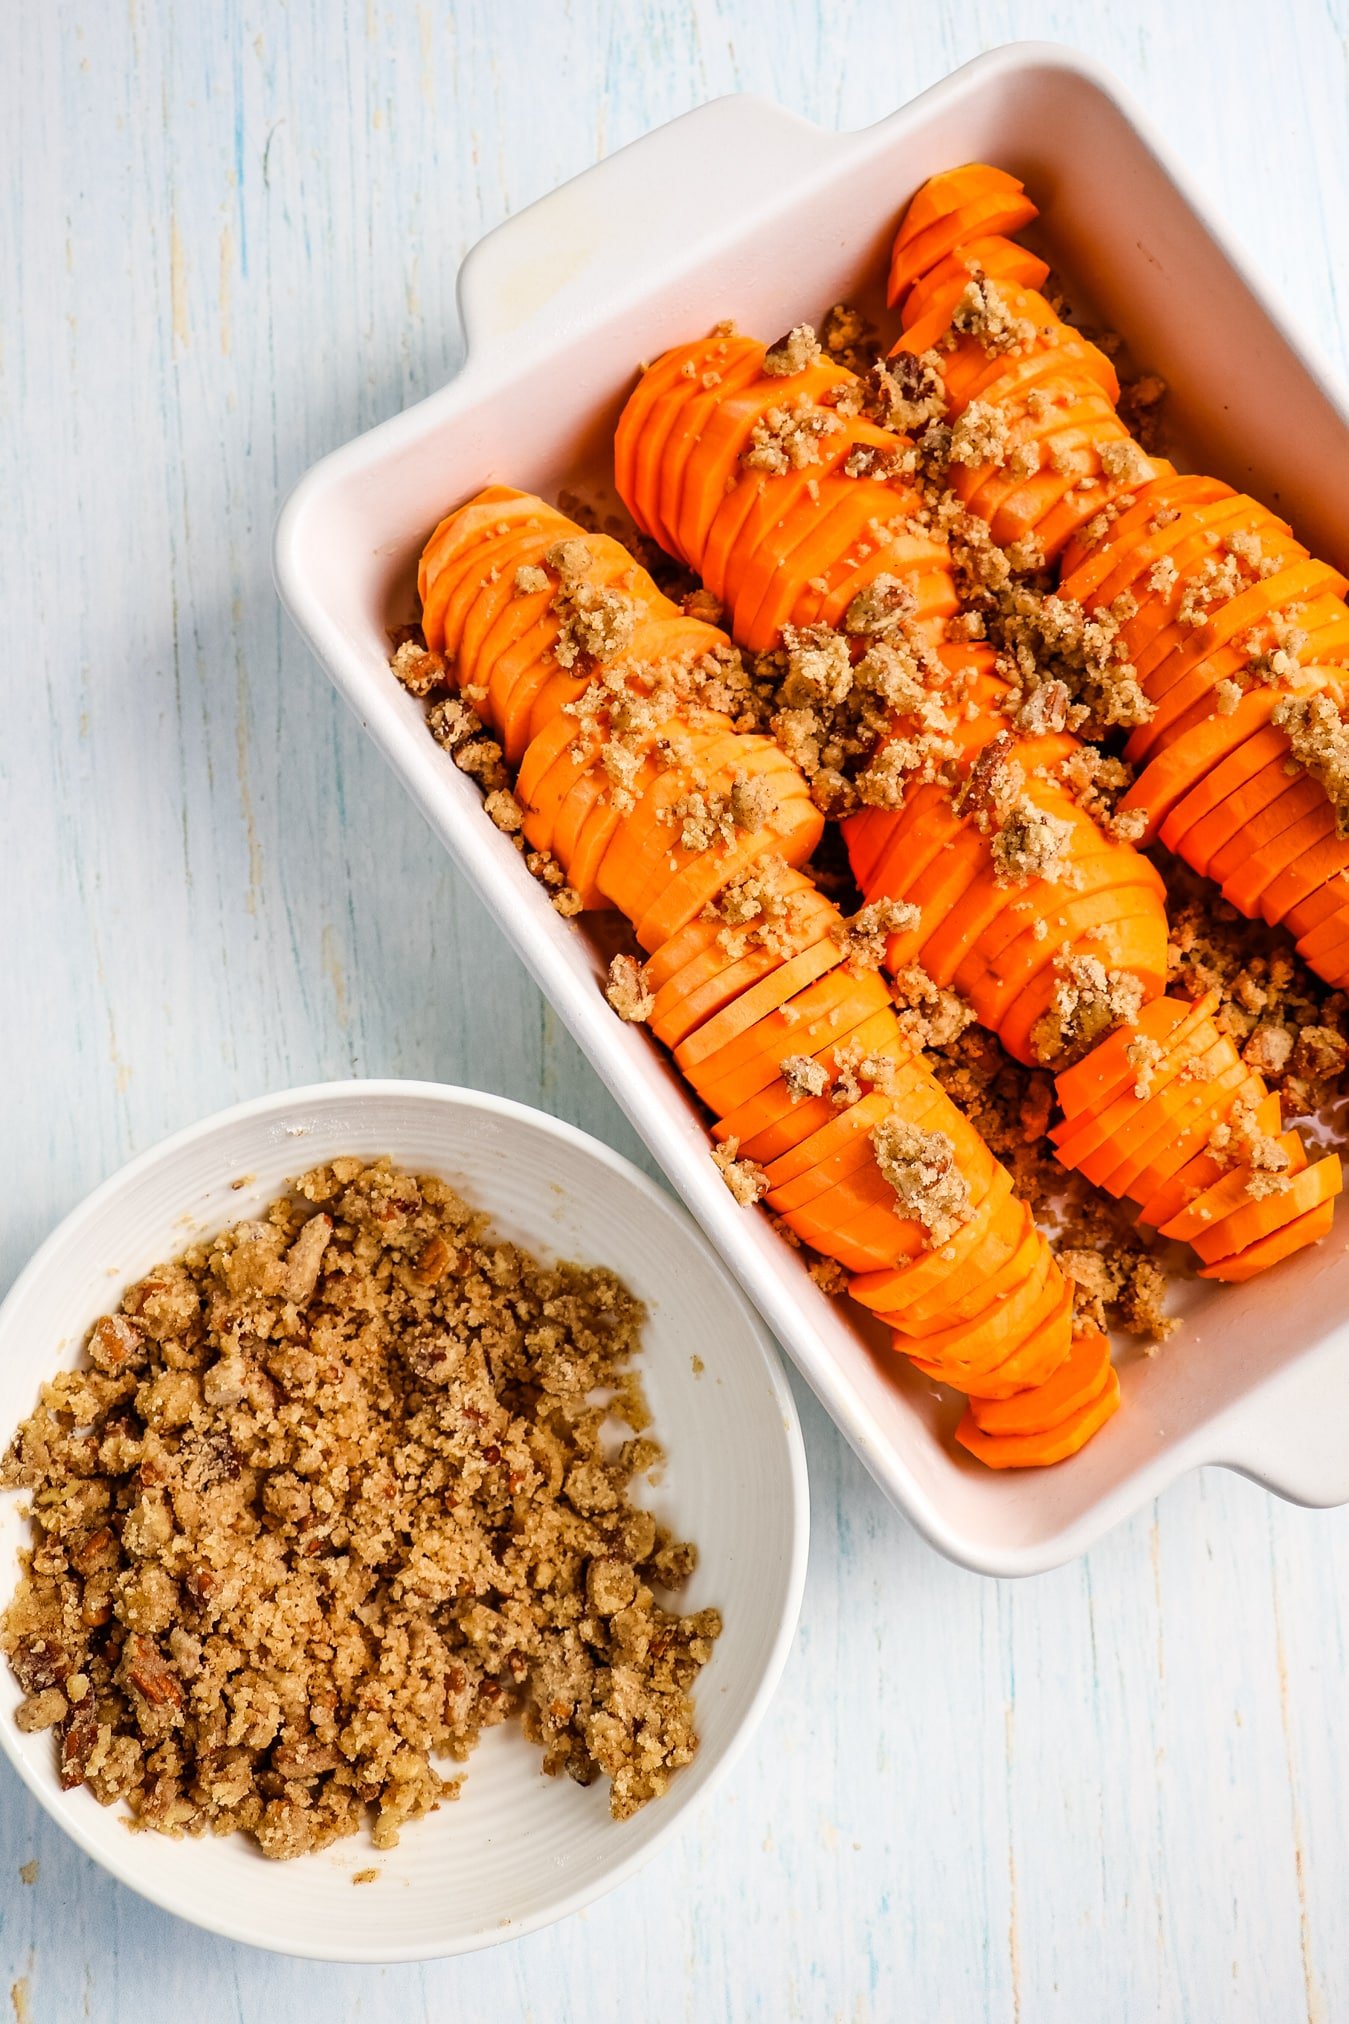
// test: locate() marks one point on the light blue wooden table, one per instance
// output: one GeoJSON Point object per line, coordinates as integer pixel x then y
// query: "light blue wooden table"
{"type": "Point", "coordinates": [228, 241]}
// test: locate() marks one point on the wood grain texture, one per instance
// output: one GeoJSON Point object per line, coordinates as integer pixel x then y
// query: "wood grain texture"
{"type": "Point", "coordinates": [228, 242]}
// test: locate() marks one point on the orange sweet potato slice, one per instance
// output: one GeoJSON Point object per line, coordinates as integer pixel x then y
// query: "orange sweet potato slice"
{"type": "Point", "coordinates": [949, 190]}
{"type": "Point", "coordinates": [1189, 1180]}
{"type": "Point", "coordinates": [1254, 813]}
{"type": "Point", "coordinates": [1007, 1318]}
{"type": "Point", "coordinates": [1272, 836]}
{"type": "Point", "coordinates": [793, 834]}
{"type": "Point", "coordinates": [852, 1154]}
{"type": "Point", "coordinates": [1035, 1359]}
{"type": "Point", "coordinates": [684, 1003]}
{"type": "Point", "coordinates": [815, 1016]}
{"type": "Point", "coordinates": [857, 1223]}
{"type": "Point", "coordinates": [1297, 886]}
{"type": "Point", "coordinates": [851, 1122]}
{"type": "Point", "coordinates": [977, 1249]}
{"type": "Point", "coordinates": [997, 211]}
{"type": "Point", "coordinates": [1304, 1230]}
{"type": "Point", "coordinates": [1134, 1109]}
{"type": "Point", "coordinates": [787, 978]}
{"type": "Point", "coordinates": [1078, 1378]}
{"type": "Point", "coordinates": [710, 417]}
{"type": "Point", "coordinates": [1213, 1206]}
{"type": "Point", "coordinates": [962, 1296]}
{"type": "Point", "coordinates": [1165, 513]}
{"type": "Point", "coordinates": [646, 850]}
{"type": "Point", "coordinates": [1189, 1134]}
{"type": "Point", "coordinates": [458, 586]}
{"type": "Point", "coordinates": [1101, 1075]}
{"type": "Point", "coordinates": [971, 374]}
{"type": "Point", "coordinates": [773, 1120]}
{"type": "Point", "coordinates": [1000, 259]}
{"type": "Point", "coordinates": [1183, 765]}
{"type": "Point", "coordinates": [1229, 776]}
{"type": "Point", "coordinates": [1141, 1169]}
{"type": "Point", "coordinates": [697, 426]}
{"type": "Point", "coordinates": [1133, 945]}
{"type": "Point", "coordinates": [1041, 1450]}
{"type": "Point", "coordinates": [1321, 919]}
{"type": "Point", "coordinates": [1079, 508]}
{"type": "Point", "coordinates": [1313, 823]}
{"type": "Point", "coordinates": [1176, 646]}
{"type": "Point", "coordinates": [1254, 1220]}
{"type": "Point", "coordinates": [1188, 545]}
{"type": "Point", "coordinates": [1036, 1356]}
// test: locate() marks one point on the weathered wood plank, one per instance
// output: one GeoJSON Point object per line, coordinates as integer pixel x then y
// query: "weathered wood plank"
{"type": "Point", "coordinates": [229, 238]}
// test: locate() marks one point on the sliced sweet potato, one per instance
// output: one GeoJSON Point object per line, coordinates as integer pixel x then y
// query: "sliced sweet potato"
{"type": "Point", "coordinates": [1255, 810]}
{"type": "Point", "coordinates": [949, 191]}
{"type": "Point", "coordinates": [1078, 1379]}
{"type": "Point", "coordinates": [1313, 822]}
{"type": "Point", "coordinates": [1224, 776]}
{"type": "Point", "coordinates": [999, 210]}
{"type": "Point", "coordinates": [1143, 1167]}
{"type": "Point", "coordinates": [976, 1249]}
{"type": "Point", "coordinates": [1297, 886]}
{"type": "Point", "coordinates": [1040, 1450]}
{"type": "Point", "coordinates": [1106, 1071]}
{"type": "Point", "coordinates": [1189, 1133]}
{"type": "Point", "coordinates": [970, 373]}
{"type": "Point", "coordinates": [1183, 765]}
{"type": "Point", "coordinates": [988, 1336]}
{"type": "Point", "coordinates": [1038, 1357]}
{"type": "Point", "coordinates": [1165, 513]}
{"type": "Point", "coordinates": [1212, 1207]}
{"type": "Point", "coordinates": [961, 1297]}
{"type": "Point", "coordinates": [1255, 1220]}
{"type": "Point", "coordinates": [1309, 1228]}
{"type": "Point", "coordinates": [1190, 1179]}
{"type": "Point", "coordinates": [774, 1120]}
{"type": "Point", "coordinates": [1030, 1361]}
{"type": "Point", "coordinates": [793, 833]}
{"type": "Point", "coordinates": [856, 1222]}
{"type": "Point", "coordinates": [1133, 1113]}
{"type": "Point", "coordinates": [815, 1016]}
{"type": "Point", "coordinates": [1001, 260]}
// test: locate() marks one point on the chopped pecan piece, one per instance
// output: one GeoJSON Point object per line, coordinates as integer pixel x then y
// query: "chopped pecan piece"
{"type": "Point", "coordinates": [38, 1663]}
{"type": "Point", "coordinates": [97, 1552]}
{"type": "Point", "coordinates": [432, 1261]}
{"type": "Point", "coordinates": [79, 1734]}
{"type": "Point", "coordinates": [150, 1674]}
{"type": "Point", "coordinates": [116, 1344]}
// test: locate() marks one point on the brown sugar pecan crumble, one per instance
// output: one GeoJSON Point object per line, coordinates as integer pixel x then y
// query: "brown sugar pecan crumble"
{"type": "Point", "coordinates": [329, 1495]}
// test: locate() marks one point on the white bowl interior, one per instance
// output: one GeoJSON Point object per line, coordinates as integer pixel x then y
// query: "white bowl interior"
{"type": "Point", "coordinates": [518, 1848]}
{"type": "Point", "coordinates": [740, 210]}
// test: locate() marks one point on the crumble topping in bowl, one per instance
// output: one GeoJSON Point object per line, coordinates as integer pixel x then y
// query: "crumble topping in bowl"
{"type": "Point", "coordinates": [331, 1494]}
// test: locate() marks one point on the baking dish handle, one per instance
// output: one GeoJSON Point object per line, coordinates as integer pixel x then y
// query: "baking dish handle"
{"type": "Point", "coordinates": [1289, 1435]}
{"type": "Point", "coordinates": [615, 231]}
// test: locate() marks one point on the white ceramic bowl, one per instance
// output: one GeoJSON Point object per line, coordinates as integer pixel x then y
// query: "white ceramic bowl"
{"type": "Point", "coordinates": [518, 1849]}
{"type": "Point", "coordinates": [740, 209]}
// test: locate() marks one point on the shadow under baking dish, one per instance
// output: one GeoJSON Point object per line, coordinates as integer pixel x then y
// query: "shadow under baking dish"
{"type": "Point", "coordinates": [742, 210]}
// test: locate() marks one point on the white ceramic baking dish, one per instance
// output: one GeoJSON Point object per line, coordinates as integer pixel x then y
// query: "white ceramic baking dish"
{"type": "Point", "coordinates": [740, 209]}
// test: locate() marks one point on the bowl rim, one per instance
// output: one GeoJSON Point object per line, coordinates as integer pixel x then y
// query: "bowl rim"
{"type": "Point", "coordinates": [451, 1097]}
